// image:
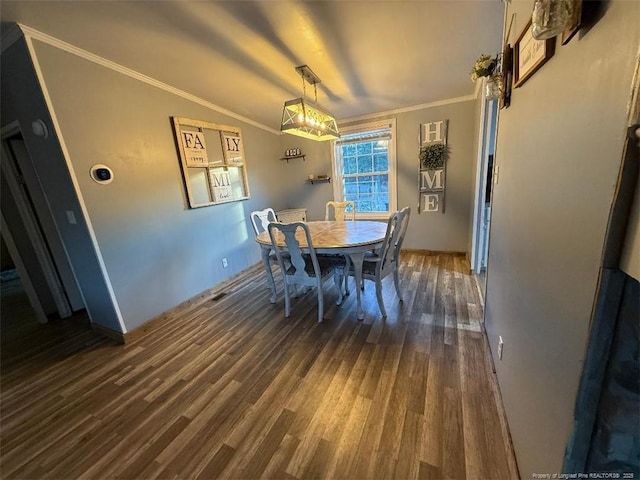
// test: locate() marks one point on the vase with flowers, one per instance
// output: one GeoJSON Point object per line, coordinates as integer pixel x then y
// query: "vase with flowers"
{"type": "Point", "coordinates": [487, 66]}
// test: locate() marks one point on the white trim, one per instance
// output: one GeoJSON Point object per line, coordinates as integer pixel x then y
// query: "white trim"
{"type": "Point", "coordinates": [478, 89]}
{"type": "Point", "coordinates": [438, 103]}
{"type": "Point", "coordinates": [10, 36]}
{"type": "Point", "coordinates": [74, 180]}
{"type": "Point", "coordinates": [31, 33]}
{"type": "Point", "coordinates": [393, 168]}
{"type": "Point", "coordinates": [477, 214]}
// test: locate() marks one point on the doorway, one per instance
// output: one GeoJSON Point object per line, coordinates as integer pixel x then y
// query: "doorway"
{"type": "Point", "coordinates": [31, 235]}
{"type": "Point", "coordinates": [483, 189]}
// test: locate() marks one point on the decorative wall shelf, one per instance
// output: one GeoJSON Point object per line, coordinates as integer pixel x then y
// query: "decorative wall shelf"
{"type": "Point", "coordinates": [292, 157]}
{"type": "Point", "coordinates": [319, 180]}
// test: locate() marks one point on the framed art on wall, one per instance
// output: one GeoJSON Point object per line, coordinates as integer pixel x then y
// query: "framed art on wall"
{"type": "Point", "coordinates": [212, 161]}
{"type": "Point", "coordinates": [529, 55]}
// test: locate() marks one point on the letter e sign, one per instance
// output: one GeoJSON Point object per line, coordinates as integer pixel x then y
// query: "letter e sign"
{"type": "Point", "coordinates": [430, 202]}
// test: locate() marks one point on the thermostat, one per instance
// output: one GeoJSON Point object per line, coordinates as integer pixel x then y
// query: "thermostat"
{"type": "Point", "coordinates": [101, 174]}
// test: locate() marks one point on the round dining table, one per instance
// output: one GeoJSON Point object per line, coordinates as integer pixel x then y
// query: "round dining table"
{"type": "Point", "coordinates": [352, 238]}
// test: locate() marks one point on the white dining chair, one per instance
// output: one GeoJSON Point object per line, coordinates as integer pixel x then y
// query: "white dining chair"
{"type": "Point", "coordinates": [386, 260]}
{"type": "Point", "coordinates": [340, 212]}
{"type": "Point", "coordinates": [260, 219]}
{"type": "Point", "coordinates": [300, 269]}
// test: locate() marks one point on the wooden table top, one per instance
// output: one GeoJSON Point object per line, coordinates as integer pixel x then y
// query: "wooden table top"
{"type": "Point", "coordinates": [335, 234]}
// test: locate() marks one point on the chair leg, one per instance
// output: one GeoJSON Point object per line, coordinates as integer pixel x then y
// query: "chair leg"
{"type": "Point", "coordinates": [397, 282]}
{"type": "Point", "coordinates": [379, 295]}
{"type": "Point", "coordinates": [338, 275]}
{"type": "Point", "coordinates": [347, 267]}
{"type": "Point", "coordinates": [320, 302]}
{"type": "Point", "coordinates": [287, 306]}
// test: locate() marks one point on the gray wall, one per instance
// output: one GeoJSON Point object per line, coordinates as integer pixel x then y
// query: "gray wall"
{"type": "Point", "coordinates": [301, 194]}
{"type": "Point", "coordinates": [156, 250]}
{"type": "Point", "coordinates": [22, 100]}
{"type": "Point", "coordinates": [559, 150]}
{"type": "Point", "coordinates": [437, 231]}
{"type": "Point", "coordinates": [428, 231]}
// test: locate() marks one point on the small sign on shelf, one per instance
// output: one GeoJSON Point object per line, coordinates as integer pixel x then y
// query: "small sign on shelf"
{"type": "Point", "coordinates": [292, 152]}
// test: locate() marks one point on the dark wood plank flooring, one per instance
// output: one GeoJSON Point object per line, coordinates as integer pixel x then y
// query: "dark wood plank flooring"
{"type": "Point", "coordinates": [230, 388]}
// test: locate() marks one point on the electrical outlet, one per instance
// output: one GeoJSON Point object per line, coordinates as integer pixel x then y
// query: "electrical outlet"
{"type": "Point", "coordinates": [225, 264]}
{"type": "Point", "coordinates": [500, 347]}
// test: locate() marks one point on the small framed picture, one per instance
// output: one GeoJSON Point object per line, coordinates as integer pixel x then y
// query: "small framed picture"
{"type": "Point", "coordinates": [529, 55]}
{"type": "Point", "coordinates": [507, 76]}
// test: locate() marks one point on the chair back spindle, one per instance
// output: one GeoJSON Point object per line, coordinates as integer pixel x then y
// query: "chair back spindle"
{"type": "Point", "coordinates": [340, 210]}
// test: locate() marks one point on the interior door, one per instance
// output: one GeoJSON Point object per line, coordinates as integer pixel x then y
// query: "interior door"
{"type": "Point", "coordinates": [484, 178]}
{"type": "Point", "coordinates": [45, 218]}
{"type": "Point", "coordinates": [24, 226]}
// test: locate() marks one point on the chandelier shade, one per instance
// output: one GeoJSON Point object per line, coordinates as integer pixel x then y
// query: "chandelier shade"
{"type": "Point", "coordinates": [305, 118]}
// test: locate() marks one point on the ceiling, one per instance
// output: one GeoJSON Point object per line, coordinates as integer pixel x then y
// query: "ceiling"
{"type": "Point", "coordinates": [371, 56]}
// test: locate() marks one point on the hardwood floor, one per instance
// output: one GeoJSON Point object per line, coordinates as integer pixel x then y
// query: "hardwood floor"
{"type": "Point", "coordinates": [232, 389]}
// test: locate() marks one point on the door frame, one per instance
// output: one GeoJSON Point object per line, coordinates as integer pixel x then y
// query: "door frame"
{"type": "Point", "coordinates": [30, 222]}
{"type": "Point", "coordinates": [482, 164]}
{"type": "Point", "coordinates": [46, 219]}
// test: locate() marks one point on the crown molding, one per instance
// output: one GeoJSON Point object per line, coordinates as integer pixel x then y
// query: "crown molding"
{"type": "Point", "coordinates": [395, 111]}
{"type": "Point", "coordinates": [32, 33]}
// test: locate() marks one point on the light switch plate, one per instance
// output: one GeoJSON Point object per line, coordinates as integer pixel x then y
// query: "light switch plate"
{"type": "Point", "coordinates": [71, 217]}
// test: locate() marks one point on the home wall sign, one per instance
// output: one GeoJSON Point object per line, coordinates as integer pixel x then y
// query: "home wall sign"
{"type": "Point", "coordinates": [433, 166]}
{"type": "Point", "coordinates": [212, 161]}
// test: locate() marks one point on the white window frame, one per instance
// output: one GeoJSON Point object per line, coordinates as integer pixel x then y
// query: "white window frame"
{"type": "Point", "coordinates": [338, 188]}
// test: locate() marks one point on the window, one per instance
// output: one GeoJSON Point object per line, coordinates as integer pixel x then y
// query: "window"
{"type": "Point", "coordinates": [365, 168]}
